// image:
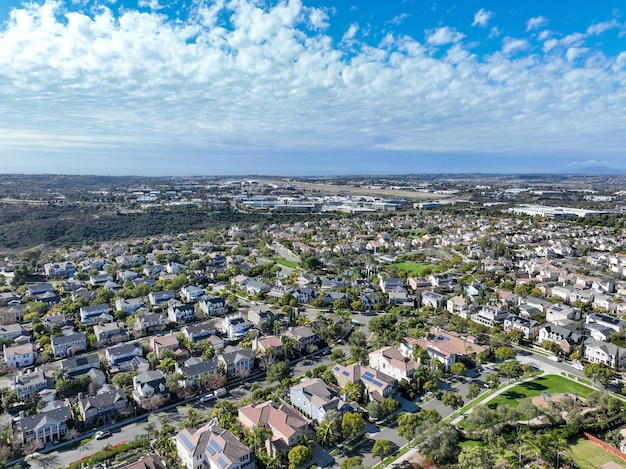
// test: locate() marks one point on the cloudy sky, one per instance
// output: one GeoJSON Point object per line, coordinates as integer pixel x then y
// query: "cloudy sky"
{"type": "Point", "coordinates": [311, 87]}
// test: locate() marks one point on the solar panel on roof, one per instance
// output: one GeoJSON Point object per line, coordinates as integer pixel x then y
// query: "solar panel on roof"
{"type": "Point", "coordinates": [221, 462]}
{"type": "Point", "coordinates": [377, 383]}
{"type": "Point", "coordinates": [215, 445]}
{"type": "Point", "coordinates": [345, 373]}
{"type": "Point", "coordinates": [188, 444]}
{"type": "Point", "coordinates": [367, 375]}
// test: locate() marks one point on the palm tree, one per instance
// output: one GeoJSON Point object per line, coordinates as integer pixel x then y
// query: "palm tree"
{"type": "Point", "coordinates": [326, 435]}
{"type": "Point", "coordinates": [261, 434]}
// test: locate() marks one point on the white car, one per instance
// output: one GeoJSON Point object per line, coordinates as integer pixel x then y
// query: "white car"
{"type": "Point", "coordinates": [207, 397]}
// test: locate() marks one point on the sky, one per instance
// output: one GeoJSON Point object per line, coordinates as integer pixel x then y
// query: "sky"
{"type": "Point", "coordinates": [311, 87]}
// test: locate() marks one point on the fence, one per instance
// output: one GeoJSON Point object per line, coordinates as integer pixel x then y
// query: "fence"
{"type": "Point", "coordinates": [605, 445]}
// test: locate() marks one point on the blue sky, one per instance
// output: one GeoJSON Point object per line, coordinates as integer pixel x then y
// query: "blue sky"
{"type": "Point", "coordinates": [184, 87]}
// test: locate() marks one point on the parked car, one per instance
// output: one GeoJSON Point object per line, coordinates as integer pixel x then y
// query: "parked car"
{"type": "Point", "coordinates": [207, 398]}
{"type": "Point", "coordinates": [220, 392]}
{"type": "Point", "coordinates": [103, 435]}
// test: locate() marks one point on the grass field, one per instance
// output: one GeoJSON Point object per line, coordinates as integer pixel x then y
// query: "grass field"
{"type": "Point", "coordinates": [411, 268]}
{"type": "Point", "coordinates": [552, 384]}
{"type": "Point", "coordinates": [286, 263]}
{"type": "Point", "coordinates": [588, 455]}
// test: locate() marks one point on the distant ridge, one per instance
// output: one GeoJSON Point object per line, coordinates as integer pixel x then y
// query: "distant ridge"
{"type": "Point", "coordinates": [597, 171]}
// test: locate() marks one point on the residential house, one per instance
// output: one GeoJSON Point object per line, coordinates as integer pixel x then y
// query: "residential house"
{"type": "Point", "coordinates": [528, 327]}
{"type": "Point", "coordinates": [102, 407]}
{"type": "Point", "coordinates": [459, 306]}
{"type": "Point", "coordinates": [315, 399]}
{"type": "Point", "coordinates": [287, 426]}
{"type": "Point", "coordinates": [239, 362]}
{"type": "Point", "coordinates": [390, 284]}
{"type": "Point", "coordinates": [37, 289]}
{"type": "Point", "coordinates": [111, 333]}
{"type": "Point", "coordinates": [212, 306]}
{"type": "Point", "coordinates": [127, 275]}
{"type": "Point", "coordinates": [489, 316]}
{"type": "Point", "coordinates": [254, 287]}
{"type": "Point", "coordinates": [81, 363]}
{"type": "Point", "coordinates": [19, 356]}
{"type": "Point", "coordinates": [120, 356]}
{"type": "Point", "coordinates": [304, 335]}
{"type": "Point", "coordinates": [28, 382]}
{"type": "Point", "coordinates": [149, 323]}
{"type": "Point", "coordinates": [196, 372]}
{"type": "Point", "coordinates": [168, 341]}
{"type": "Point", "coordinates": [148, 385]}
{"type": "Point", "coordinates": [157, 298]}
{"type": "Point", "coordinates": [198, 332]}
{"type": "Point", "coordinates": [59, 269]}
{"type": "Point", "coordinates": [603, 352]}
{"type": "Point", "coordinates": [433, 299]}
{"type": "Point", "coordinates": [192, 293]}
{"type": "Point", "coordinates": [129, 305]}
{"type": "Point", "coordinates": [446, 347]}
{"type": "Point", "coordinates": [262, 318]}
{"type": "Point", "coordinates": [336, 296]}
{"type": "Point", "coordinates": [47, 425]}
{"type": "Point", "coordinates": [604, 321]}
{"type": "Point", "coordinates": [390, 361]}
{"type": "Point", "coordinates": [211, 447]}
{"type": "Point", "coordinates": [377, 384]}
{"type": "Point", "coordinates": [147, 461]}
{"type": "Point", "coordinates": [235, 326]}
{"type": "Point", "coordinates": [68, 344]}
{"type": "Point", "coordinates": [95, 313]}
{"type": "Point", "coordinates": [419, 283]}
{"type": "Point", "coordinates": [565, 336]}
{"type": "Point", "coordinates": [180, 313]}
{"type": "Point", "coordinates": [561, 314]}
{"type": "Point", "coordinates": [268, 344]}
{"type": "Point", "coordinates": [51, 320]}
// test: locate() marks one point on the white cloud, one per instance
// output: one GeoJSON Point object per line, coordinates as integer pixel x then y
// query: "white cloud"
{"type": "Point", "coordinates": [87, 87]}
{"type": "Point", "coordinates": [444, 35]}
{"type": "Point", "coordinates": [511, 45]}
{"type": "Point", "coordinates": [598, 28]}
{"type": "Point", "coordinates": [536, 23]}
{"type": "Point", "coordinates": [588, 163]}
{"type": "Point", "coordinates": [482, 17]}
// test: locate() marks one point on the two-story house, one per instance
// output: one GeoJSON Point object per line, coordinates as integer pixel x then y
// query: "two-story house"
{"type": "Point", "coordinates": [377, 384]}
{"type": "Point", "coordinates": [304, 336]}
{"type": "Point", "coordinates": [148, 385]}
{"type": "Point", "coordinates": [287, 426]}
{"type": "Point", "coordinates": [111, 333]}
{"type": "Point", "coordinates": [47, 425]}
{"type": "Point", "coordinates": [28, 382]}
{"type": "Point", "coordinates": [213, 306]}
{"type": "Point", "coordinates": [235, 326]}
{"type": "Point", "coordinates": [19, 356]}
{"type": "Point", "coordinates": [196, 372]}
{"type": "Point", "coordinates": [102, 407]}
{"type": "Point", "coordinates": [120, 356]}
{"type": "Point", "coordinates": [181, 313]}
{"type": "Point", "coordinates": [314, 399]}
{"type": "Point", "coordinates": [149, 323]}
{"type": "Point", "coordinates": [95, 313]}
{"type": "Point", "coordinates": [211, 447]}
{"type": "Point", "coordinates": [389, 360]}
{"type": "Point", "coordinates": [157, 298]}
{"type": "Point", "coordinates": [192, 293]}
{"type": "Point", "coordinates": [239, 362]}
{"type": "Point", "coordinates": [68, 344]}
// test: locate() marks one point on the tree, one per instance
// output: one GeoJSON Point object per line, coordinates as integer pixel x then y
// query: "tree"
{"type": "Point", "coordinates": [353, 391]}
{"type": "Point", "coordinates": [511, 369]}
{"type": "Point", "coordinates": [598, 371]}
{"type": "Point", "coordinates": [354, 462]}
{"type": "Point", "coordinates": [439, 442]}
{"type": "Point", "coordinates": [505, 353]}
{"type": "Point", "coordinates": [381, 449]}
{"type": "Point", "coordinates": [408, 424]}
{"type": "Point", "coordinates": [326, 434]}
{"type": "Point", "coordinates": [492, 380]}
{"type": "Point", "coordinates": [473, 391]}
{"type": "Point", "coordinates": [475, 457]}
{"type": "Point", "coordinates": [551, 347]}
{"type": "Point", "coordinates": [452, 399]}
{"type": "Point", "coordinates": [299, 456]}
{"type": "Point", "coordinates": [352, 424]}
{"type": "Point", "coordinates": [389, 405]}
{"type": "Point", "coordinates": [458, 369]}
{"type": "Point", "coordinates": [481, 416]}
{"type": "Point", "coordinates": [278, 372]}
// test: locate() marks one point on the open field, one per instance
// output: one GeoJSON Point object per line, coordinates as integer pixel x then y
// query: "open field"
{"type": "Point", "coordinates": [286, 263]}
{"type": "Point", "coordinates": [411, 268]}
{"type": "Point", "coordinates": [552, 384]}
{"type": "Point", "coordinates": [353, 190]}
{"type": "Point", "coordinates": [588, 455]}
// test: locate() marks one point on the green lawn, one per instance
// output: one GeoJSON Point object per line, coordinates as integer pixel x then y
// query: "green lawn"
{"type": "Point", "coordinates": [412, 268]}
{"type": "Point", "coordinates": [286, 263]}
{"type": "Point", "coordinates": [552, 384]}
{"type": "Point", "coordinates": [588, 455]}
